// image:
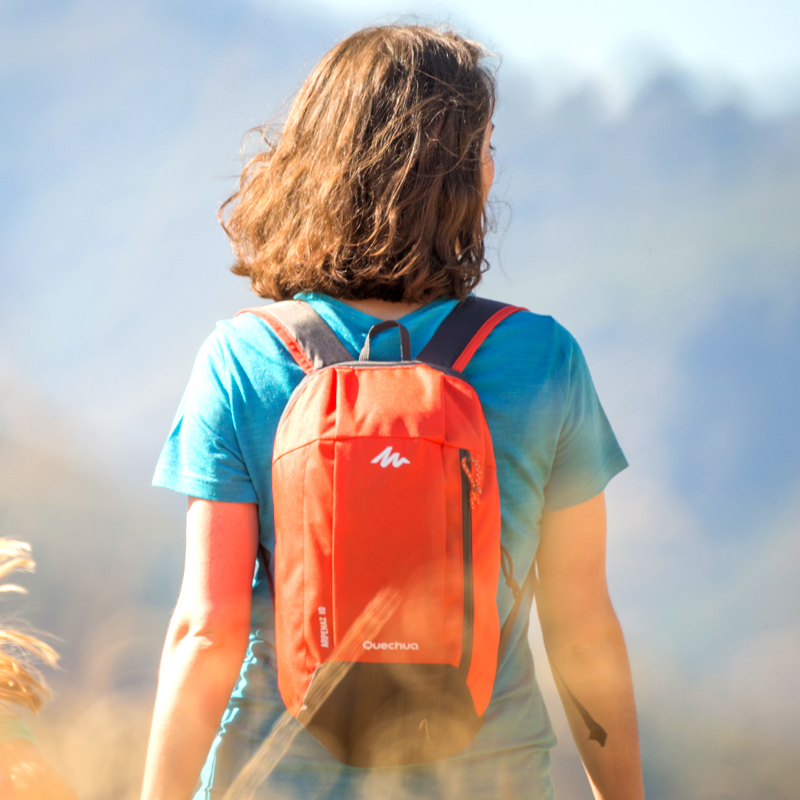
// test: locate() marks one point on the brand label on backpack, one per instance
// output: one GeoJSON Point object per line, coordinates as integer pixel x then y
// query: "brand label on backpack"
{"type": "Point", "coordinates": [390, 645]}
{"type": "Point", "coordinates": [386, 457]}
{"type": "Point", "coordinates": [324, 636]}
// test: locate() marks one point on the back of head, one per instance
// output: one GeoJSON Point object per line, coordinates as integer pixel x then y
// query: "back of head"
{"type": "Point", "coordinates": [373, 189]}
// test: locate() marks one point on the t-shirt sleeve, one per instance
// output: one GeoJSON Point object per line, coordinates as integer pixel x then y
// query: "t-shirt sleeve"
{"type": "Point", "coordinates": [202, 456]}
{"type": "Point", "coordinates": [587, 453]}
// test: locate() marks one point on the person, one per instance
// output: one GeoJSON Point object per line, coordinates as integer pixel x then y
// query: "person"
{"type": "Point", "coordinates": [371, 205]}
{"type": "Point", "coordinates": [25, 773]}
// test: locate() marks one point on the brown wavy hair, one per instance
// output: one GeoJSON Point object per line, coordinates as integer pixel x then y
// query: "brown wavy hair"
{"type": "Point", "coordinates": [373, 188]}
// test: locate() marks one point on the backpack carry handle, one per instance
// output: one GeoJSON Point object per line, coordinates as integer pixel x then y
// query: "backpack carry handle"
{"type": "Point", "coordinates": [405, 339]}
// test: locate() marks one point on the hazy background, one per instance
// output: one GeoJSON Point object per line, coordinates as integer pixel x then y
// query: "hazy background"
{"type": "Point", "coordinates": [648, 196]}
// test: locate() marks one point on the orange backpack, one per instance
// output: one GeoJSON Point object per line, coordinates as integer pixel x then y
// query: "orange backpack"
{"type": "Point", "coordinates": [387, 530]}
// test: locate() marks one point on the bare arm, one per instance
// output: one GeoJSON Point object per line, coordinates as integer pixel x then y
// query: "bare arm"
{"type": "Point", "coordinates": [584, 641]}
{"type": "Point", "coordinates": [205, 646]}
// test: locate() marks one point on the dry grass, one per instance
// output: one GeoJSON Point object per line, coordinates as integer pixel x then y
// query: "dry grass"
{"type": "Point", "coordinates": [98, 742]}
{"type": "Point", "coordinates": [21, 683]}
{"type": "Point", "coordinates": [95, 738]}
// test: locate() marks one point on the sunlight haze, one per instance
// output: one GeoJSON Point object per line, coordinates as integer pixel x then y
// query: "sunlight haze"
{"type": "Point", "coordinates": [743, 41]}
{"type": "Point", "coordinates": [663, 235]}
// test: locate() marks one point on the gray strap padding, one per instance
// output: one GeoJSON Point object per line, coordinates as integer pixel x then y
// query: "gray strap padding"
{"type": "Point", "coordinates": [312, 333]}
{"type": "Point", "coordinates": [457, 330]}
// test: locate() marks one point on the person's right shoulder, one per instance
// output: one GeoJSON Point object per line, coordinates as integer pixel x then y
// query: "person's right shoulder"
{"type": "Point", "coordinates": [242, 329]}
{"type": "Point", "coordinates": [243, 341]}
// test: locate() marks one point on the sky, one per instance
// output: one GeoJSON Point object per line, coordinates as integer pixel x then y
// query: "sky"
{"type": "Point", "coordinates": [729, 43]}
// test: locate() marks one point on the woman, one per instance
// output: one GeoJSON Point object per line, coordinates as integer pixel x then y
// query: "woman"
{"type": "Point", "coordinates": [371, 206]}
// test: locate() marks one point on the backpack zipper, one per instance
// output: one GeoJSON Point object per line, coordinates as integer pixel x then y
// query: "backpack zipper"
{"type": "Point", "coordinates": [466, 534]}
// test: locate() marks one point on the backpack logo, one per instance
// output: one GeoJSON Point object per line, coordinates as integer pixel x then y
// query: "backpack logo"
{"type": "Point", "coordinates": [386, 457]}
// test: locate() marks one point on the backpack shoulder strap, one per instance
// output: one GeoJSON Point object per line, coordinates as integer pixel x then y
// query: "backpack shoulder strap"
{"type": "Point", "coordinates": [308, 338]}
{"type": "Point", "coordinates": [523, 595]}
{"type": "Point", "coordinates": [462, 332]}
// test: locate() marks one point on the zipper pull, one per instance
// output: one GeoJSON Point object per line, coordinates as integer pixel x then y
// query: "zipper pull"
{"type": "Point", "coordinates": [473, 471]}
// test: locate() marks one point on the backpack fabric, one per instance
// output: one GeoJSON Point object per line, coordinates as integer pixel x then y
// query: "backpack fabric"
{"type": "Point", "coordinates": [384, 481]}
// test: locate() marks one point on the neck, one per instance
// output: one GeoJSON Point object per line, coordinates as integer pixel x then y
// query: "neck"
{"type": "Point", "coordinates": [383, 309]}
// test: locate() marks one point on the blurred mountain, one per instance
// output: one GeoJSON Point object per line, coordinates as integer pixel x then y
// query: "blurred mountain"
{"type": "Point", "coordinates": [666, 238]}
{"type": "Point", "coordinates": [108, 559]}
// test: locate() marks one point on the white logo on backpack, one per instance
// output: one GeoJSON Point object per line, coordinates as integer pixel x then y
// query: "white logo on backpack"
{"type": "Point", "coordinates": [386, 457]}
{"type": "Point", "coordinates": [390, 645]}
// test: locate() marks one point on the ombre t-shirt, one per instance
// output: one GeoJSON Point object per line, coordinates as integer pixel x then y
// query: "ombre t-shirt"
{"type": "Point", "coordinates": [554, 448]}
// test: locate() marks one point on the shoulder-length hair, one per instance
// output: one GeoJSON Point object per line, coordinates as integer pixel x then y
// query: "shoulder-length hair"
{"type": "Point", "coordinates": [373, 189]}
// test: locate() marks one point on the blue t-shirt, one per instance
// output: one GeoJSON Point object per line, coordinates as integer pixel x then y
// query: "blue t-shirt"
{"type": "Point", "coordinates": [553, 446]}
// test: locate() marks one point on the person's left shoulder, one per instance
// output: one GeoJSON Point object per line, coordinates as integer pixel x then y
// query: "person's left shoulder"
{"type": "Point", "coordinates": [523, 341]}
{"type": "Point", "coordinates": [528, 323]}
